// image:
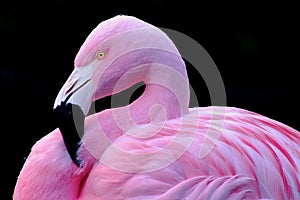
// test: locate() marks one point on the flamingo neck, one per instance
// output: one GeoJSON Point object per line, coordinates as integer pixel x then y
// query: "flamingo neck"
{"type": "Point", "coordinates": [156, 104]}
{"type": "Point", "coordinates": [166, 96]}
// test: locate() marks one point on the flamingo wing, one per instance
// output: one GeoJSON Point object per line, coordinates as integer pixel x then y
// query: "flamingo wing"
{"type": "Point", "coordinates": [253, 157]}
{"type": "Point", "coordinates": [214, 188]}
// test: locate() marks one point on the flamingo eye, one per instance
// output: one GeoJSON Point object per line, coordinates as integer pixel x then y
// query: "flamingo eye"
{"type": "Point", "coordinates": [100, 55]}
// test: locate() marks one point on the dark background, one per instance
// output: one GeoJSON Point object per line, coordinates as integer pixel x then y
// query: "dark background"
{"type": "Point", "coordinates": [253, 45]}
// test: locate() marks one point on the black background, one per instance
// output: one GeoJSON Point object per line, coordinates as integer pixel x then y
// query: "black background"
{"type": "Point", "coordinates": [253, 45]}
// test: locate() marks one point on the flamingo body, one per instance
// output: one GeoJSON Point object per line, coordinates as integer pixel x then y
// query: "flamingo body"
{"type": "Point", "coordinates": [171, 153]}
{"type": "Point", "coordinates": [247, 162]}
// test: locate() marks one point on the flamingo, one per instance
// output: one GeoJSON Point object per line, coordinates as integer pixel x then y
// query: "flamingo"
{"type": "Point", "coordinates": [156, 147]}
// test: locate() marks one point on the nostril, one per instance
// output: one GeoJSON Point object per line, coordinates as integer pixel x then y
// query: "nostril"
{"type": "Point", "coordinates": [70, 86]}
{"type": "Point", "coordinates": [73, 79]}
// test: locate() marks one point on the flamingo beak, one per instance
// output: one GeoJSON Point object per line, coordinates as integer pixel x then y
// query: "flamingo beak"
{"type": "Point", "coordinates": [72, 105]}
{"type": "Point", "coordinates": [78, 89]}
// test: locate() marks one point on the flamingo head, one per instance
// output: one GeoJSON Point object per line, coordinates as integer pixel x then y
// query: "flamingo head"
{"type": "Point", "coordinates": [116, 55]}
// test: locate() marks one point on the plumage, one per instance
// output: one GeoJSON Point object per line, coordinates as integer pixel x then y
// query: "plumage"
{"type": "Point", "coordinates": [157, 147]}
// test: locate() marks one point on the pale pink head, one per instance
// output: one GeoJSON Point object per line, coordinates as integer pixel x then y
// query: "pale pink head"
{"type": "Point", "coordinates": [118, 53]}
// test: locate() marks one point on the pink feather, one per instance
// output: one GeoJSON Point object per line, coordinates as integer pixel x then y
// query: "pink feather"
{"type": "Point", "coordinates": [196, 153]}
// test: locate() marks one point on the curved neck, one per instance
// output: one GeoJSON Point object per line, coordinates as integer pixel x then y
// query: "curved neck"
{"type": "Point", "coordinates": [166, 96]}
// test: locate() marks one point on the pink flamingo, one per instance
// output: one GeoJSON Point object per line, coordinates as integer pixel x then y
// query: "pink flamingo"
{"type": "Point", "coordinates": [156, 147]}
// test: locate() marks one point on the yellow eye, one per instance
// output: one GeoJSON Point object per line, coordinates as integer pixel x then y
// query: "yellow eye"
{"type": "Point", "coordinates": [100, 55]}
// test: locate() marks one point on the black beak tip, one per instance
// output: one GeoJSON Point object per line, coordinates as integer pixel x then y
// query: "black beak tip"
{"type": "Point", "coordinates": [70, 121]}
